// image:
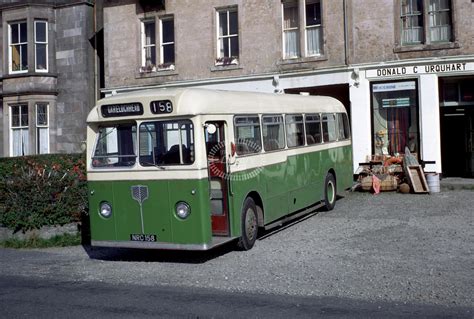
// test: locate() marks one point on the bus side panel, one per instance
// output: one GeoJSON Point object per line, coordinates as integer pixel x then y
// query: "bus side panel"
{"type": "Point", "coordinates": [101, 228]}
{"type": "Point", "coordinates": [276, 192]}
{"type": "Point", "coordinates": [241, 184]}
{"type": "Point", "coordinates": [196, 229]}
{"type": "Point", "coordinates": [302, 172]}
{"type": "Point", "coordinates": [344, 169]}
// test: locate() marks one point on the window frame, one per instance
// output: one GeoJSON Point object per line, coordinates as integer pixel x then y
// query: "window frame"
{"type": "Point", "coordinates": [42, 126]}
{"type": "Point", "coordinates": [316, 26]}
{"type": "Point", "coordinates": [285, 31]}
{"type": "Point", "coordinates": [162, 44]}
{"type": "Point", "coordinates": [302, 37]}
{"type": "Point", "coordinates": [427, 42]}
{"type": "Point", "coordinates": [45, 43]}
{"type": "Point", "coordinates": [144, 46]}
{"type": "Point", "coordinates": [230, 59]}
{"type": "Point", "coordinates": [19, 44]}
{"type": "Point", "coordinates": [20, 127]}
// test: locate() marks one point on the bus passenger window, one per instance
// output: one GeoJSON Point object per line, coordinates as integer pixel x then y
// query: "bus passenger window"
{"type": "Point", "coordinates": [313, 129]}
{"type": "Point", "coordinates": [247, 134]}
{"type": "Point", "coordinates": [166, 143]}
{"type": "Point", "coordinates": [329, 127]}
{"type": "Point", "coordinates": [115, 146]}
{"type": "Point", "coordinates": [273, 132]}
{"type": "Point", "coordinates": [340, 127]}
{"type": "Point", "coordinates": [294, 130]}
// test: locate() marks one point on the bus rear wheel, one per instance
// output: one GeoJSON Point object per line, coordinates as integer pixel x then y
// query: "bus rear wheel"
{"type": "Point", "coordinates": [330, 191]}
{"type": "Point", "coordinates": [249, 228]}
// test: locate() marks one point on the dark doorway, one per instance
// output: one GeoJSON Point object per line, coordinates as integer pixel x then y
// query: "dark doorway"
{"type": "Point", "coordinates": [457, 126]}
{"type": "Point", "coordinates": [457, 133]}
{"type": "Point", "coordinates": [338, 91]}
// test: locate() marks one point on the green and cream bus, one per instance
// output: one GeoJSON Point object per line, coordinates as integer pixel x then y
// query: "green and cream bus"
{"type": "Point", "coordinates": [195, 168]}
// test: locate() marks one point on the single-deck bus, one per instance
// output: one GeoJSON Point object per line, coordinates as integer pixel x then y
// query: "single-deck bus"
{"type": "Point", "coordinates": [195, 168]}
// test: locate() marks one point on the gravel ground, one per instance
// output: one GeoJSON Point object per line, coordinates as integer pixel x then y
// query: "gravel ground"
{"type": "Point", "coordinates": [386, 248]}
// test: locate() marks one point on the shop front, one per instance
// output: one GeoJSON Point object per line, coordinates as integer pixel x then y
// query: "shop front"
{"type": "Point", "coordinates": [426, 108]}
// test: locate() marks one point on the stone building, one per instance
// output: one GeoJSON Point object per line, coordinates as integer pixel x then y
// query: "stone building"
{"type": "Point", "coordinates": [46, 74]}
{"type": "Point", "coordinates": [404, 69]}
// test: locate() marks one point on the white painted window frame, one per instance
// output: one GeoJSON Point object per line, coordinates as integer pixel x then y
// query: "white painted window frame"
{"type": "Point", "coordinates": [40, 42]}
{"type": "Point", "coordinates": [42, 126]}
{"type": "Point", "coordinates": [20, 127]}
{"type": "Point", "coordinates": [11, 45]}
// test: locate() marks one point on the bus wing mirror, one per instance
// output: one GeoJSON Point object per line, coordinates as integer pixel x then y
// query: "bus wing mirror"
{"type": "Point", "coordinates": [211, 128]}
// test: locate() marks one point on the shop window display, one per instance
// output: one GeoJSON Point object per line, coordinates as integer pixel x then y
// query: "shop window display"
{"type": "Point", "coordinates": [394, 118]}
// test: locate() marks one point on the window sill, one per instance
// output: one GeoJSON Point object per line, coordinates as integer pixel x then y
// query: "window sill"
{"type": "Point", "coordinates": [226, 67]}
{"type": "Point", "coordinates": [156, 72]}
{"type": "Point", "coordinates": [302, 60]}
{"type": "Point", "coordinates": [30, 74]}
{"type": "Point", "coordinates": [426, 47]}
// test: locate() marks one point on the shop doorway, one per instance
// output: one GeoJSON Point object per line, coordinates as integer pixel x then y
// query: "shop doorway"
{"type": "Point", "coordinates": [457, 126]}
{"type": "Point", "coordinates": [457, 142]}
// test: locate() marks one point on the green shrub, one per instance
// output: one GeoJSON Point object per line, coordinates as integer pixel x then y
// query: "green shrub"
{"type": "Point", "coordinates": [42, 190]}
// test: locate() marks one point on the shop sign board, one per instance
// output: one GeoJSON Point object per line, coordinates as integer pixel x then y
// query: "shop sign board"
{"type": "Point", "coordinates": [420, 69]}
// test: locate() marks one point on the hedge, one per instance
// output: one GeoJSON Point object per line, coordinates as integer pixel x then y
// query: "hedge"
{"type": "Point", "coordinates": [42, 190]}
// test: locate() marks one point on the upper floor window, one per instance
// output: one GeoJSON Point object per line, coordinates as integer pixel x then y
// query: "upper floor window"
{"type": "Point", "coordinates": [310, 42]}
{"type": "Point", "coordinates": [291, 30]}
{"type": "Point", "coordinates": [313, 29]}
{"type": "Point", "coordinates": [440, 20]}
{"type": "Point", "coordinates": [148, 44]}
{"type": "Point", "coordinates": [227, 36]}
{"type": "Point", "coordinates": [167, 42]}
{"type": "Point", "coordinates": [18, 47]}
{"type": "Point", "coordinates": [425, 21]}
{"type": "Point", "coordinates": [41, 46]}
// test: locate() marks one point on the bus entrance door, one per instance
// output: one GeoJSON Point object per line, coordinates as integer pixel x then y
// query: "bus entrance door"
{"type": "Point", "coordinates": [217, 168]}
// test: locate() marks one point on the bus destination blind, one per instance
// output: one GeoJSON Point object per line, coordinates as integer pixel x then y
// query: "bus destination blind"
{"type": "Point", "coordinates": [126, 109]}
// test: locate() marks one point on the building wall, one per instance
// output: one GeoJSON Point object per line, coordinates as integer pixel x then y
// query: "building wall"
{"type": "Point", "coordinates": [75, 69]}
{"type": "Point", "coordinates": [260, 41]}
{"type": "Point", "coordinates": [375, 34]}
{"type": "Point", "coordinates": [373, 53]}
{"type": "Point", "coordinates": [67, 86]}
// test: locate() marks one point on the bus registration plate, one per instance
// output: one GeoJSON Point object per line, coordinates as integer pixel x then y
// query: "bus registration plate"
{"type": "Point", "coordinates": [142, 237]}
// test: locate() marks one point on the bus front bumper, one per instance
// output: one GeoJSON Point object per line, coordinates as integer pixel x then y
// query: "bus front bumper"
{"type": "Point", "coordinates": [216, 241]}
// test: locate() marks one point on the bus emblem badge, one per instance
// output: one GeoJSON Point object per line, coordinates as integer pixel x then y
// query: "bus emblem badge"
{"type": "Point", "coordinates": [140, 194]}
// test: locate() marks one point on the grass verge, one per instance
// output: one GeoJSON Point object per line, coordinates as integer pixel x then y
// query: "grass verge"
{"type": "Point", "coordinates": [36, 242]}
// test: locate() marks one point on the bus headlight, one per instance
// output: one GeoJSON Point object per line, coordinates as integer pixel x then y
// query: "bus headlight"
{"type": "Point", "coordinates": [182, 210]}
{"type": "Point", "coordinates": [105, 210]}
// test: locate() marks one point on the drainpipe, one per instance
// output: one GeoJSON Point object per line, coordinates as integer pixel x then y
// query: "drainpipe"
{"type": "Point", "coordinates": [346, 34]}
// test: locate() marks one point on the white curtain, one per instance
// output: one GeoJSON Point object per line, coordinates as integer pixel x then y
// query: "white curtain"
{"type": "Point", "coordinates": [412, 35]}
{"type": "Point", "coordinates": [291, 44]}
{"type": "Point", "coordinates": [313, 38]}
{"type": "Point", "coordinates": [20, 143]}
{"type": "Point", "coordinates": [43, 140]}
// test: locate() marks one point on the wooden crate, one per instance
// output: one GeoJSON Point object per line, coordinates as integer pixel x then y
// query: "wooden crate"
{"type": "Point", "coordinates": [417, 179]}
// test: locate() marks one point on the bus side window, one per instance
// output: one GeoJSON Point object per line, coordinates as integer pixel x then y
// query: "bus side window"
{"type": "Point", "coordinates": [313, 129]}
{"type": "Point", "coordinates": [247, 135]}
{"type": "Point", "coordinates": [341, 124]}
{"type": "Point", "coordinates": [273, 132]}
{"type": "Point", "coordinates": [329, 127]}
{"type": "Point", "coordinates": [294, 130]}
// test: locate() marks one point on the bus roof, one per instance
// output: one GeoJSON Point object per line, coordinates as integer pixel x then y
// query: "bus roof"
{"type": "Point", "coordinates": [197, 101]}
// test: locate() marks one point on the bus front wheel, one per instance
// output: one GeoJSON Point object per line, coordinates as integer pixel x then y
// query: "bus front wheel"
{"type": "Point", "coordinates": [249, 228]}
{"type": "Point", "coordinates": [329, 192]}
